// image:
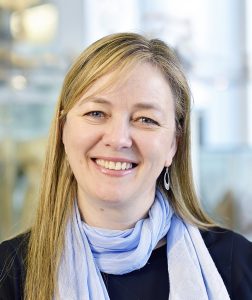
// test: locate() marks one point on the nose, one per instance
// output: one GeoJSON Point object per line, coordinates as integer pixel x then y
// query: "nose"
{"type": "Point", "coordinates": [117, 134]}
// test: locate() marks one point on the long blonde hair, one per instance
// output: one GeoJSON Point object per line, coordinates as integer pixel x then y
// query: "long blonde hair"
{"type": "Point", "coordinates": [58, 186]}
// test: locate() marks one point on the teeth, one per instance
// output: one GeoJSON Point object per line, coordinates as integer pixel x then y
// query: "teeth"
{"type": "Point", "coordinates": [124, 166]}
{"type": "Point", "coordinates": [114, 165]}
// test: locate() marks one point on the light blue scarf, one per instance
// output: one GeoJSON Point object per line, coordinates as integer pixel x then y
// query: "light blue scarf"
{"type": "Point", "coordinates": [89, 250]}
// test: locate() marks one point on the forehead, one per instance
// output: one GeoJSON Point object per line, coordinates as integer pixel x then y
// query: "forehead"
{"type": "Point", "coordinates": [143, 82]}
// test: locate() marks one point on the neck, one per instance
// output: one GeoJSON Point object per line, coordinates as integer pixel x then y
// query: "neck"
{"type": "Point", "coordinates": [117, 215]}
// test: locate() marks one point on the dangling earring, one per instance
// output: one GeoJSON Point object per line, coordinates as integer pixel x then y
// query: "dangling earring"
{"type": "Point", "coordinates": [167, 179]}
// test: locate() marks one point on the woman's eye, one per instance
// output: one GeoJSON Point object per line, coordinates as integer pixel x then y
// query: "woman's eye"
{"type": "Point", "coordinates": [95, 114]}
{"type": "Point", "coordinates": [148, 121]}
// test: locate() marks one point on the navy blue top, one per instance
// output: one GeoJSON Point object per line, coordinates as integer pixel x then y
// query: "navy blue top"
{"type": "Point", "coordinates": [231, 253]}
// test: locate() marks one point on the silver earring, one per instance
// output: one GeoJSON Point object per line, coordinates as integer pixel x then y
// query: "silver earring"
{"type": "Point", "coordinates": [167, 179]}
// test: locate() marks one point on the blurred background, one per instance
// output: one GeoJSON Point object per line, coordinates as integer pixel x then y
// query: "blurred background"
{"type": "Point", "coordinates": [213, 38]}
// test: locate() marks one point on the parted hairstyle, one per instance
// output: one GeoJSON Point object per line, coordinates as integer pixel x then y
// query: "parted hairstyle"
{"type": "Point", "coordinates": [117, 52]}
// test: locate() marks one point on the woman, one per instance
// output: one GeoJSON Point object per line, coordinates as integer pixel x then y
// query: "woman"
{"type": "Point", "coordinates": [117, 203]}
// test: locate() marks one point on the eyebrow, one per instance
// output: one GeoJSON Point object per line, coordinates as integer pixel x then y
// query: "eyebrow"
{"type": "Point", "coordinates": [148, 106]}
{"type": "Point", "coordinates": [140, 105]}
{"type": "Point", "coordinates": [94, 100]}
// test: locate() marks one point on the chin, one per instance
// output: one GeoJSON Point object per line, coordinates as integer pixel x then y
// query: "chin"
{"type": "Point", "coordinates": [112, 199]}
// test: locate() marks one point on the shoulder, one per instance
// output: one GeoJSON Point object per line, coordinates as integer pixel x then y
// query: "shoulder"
{"type": "Point", "coordinates": [12, 267]}
{"type": "Point", "coordinates": [16, 244]}
{"type": "Point", "coordinates": [14, 250]}
{"type": "Point", "coordinates": [232, 254]}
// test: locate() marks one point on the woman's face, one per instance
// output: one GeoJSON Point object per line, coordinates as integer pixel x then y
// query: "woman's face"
{"type": "Point", "coordinates": [119, 140]}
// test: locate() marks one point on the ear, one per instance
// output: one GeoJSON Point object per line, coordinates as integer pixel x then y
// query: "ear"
{"type": "Point", "coordinates": [172, 151]}
{"type": "Point", "coordinates": [62, 120]}
{"type": "Point", "coordinates": [63, 134]}
{"type": "Point", "coordinates": [64, 139]}
{"type": "Point", "coordinates": [63, 131]}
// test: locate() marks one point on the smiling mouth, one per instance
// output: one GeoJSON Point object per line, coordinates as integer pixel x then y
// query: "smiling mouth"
{"type": "Point", "coordinates": [114, 165]}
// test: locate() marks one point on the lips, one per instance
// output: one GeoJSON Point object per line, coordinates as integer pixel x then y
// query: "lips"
{"type": "Point", "coordinates": [115, 165]}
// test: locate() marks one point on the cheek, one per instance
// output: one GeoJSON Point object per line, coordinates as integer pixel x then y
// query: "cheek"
{"type": "Point", "coordinates": [152, 146]}
{"type": "Point", "coordinates": [78, 141]}
{"type": "Point", "coordinates": [158, 149]}
{"type": "Point", "coordinates": [73, 141]}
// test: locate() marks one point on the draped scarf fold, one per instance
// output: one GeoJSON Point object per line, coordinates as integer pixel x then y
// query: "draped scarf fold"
{"type": "Point", "coordinates": [89, 251]}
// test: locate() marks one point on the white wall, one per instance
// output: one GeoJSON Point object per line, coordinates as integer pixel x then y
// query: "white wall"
{"type": "Point", "coordinates": [103, 17]}
{"type": "Point", "coordinates": [249, 57]}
